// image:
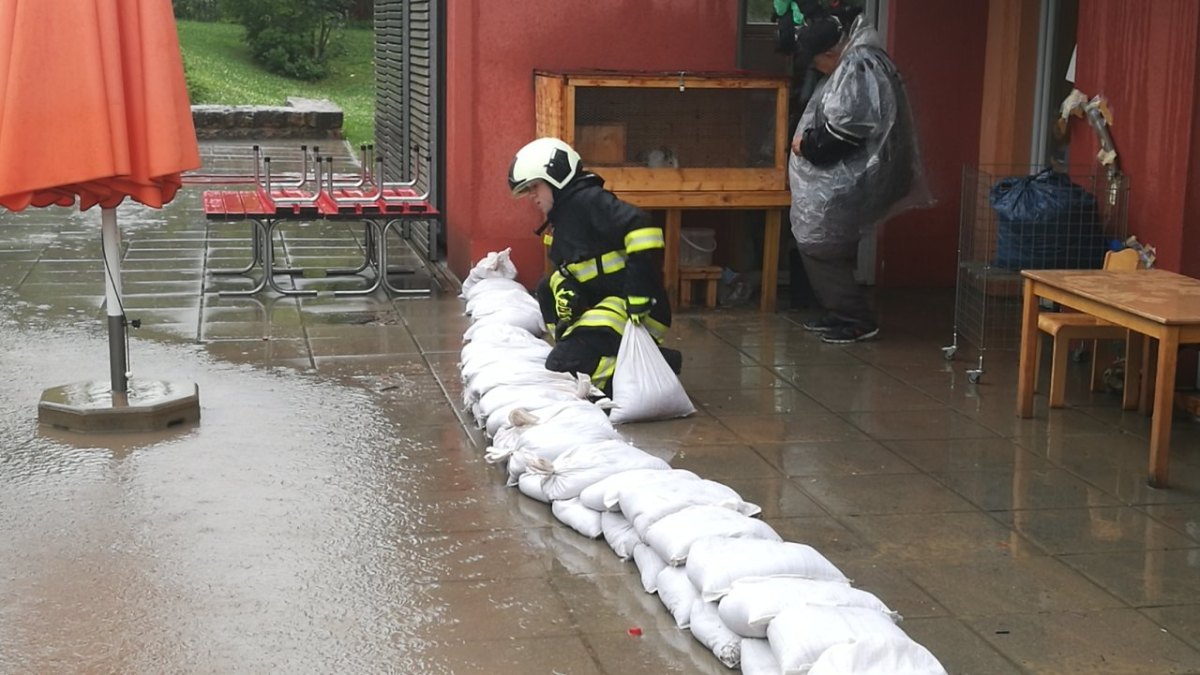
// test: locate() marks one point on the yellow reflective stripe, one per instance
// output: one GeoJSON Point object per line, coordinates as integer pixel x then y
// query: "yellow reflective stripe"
{"type": "Point", "coordinates": [584, 270]}
{"type": "Point", "coordinates": [604, 371]}
{"type": "Point", "coordinates": [608, 313]}
{"type": "Point", "coordinates": [547, 239]}
{"type": "Point", "coordinates": [657, 329]}
{"type": "Point", "coordinates": [594, 319]}
{"type": "Point", "coordinates": [613, 304]}
{"type": "Point", "coordinates": [644, 239]}
{"type": "Point", "coordinates": [612, 261]}
{"type": "Point", "coordinates": [556, 279]}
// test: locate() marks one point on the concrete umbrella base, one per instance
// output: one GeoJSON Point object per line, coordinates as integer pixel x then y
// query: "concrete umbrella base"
{"type": "Point", "coordinates": [148, 405]}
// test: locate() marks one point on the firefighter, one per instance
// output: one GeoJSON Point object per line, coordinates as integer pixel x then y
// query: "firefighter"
{"type": "Point", "coordinates": [603, 250]}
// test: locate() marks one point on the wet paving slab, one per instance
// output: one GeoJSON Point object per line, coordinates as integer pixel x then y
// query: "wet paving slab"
{"type": "Point", "coordinates": [332, 510]}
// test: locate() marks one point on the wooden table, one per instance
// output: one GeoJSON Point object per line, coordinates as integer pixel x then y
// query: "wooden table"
{"type": "Point", "coordinates": [772, 202]}
{"type": "Point", "coordinates": [1154, 303]}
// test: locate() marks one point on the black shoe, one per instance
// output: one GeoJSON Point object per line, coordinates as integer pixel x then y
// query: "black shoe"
{"type": "Point", "coordinates": [674, 358]}
{"type": "Point", "coordinates": [847, 333]}
{"type": "Point", "coordinates": [823, 324]}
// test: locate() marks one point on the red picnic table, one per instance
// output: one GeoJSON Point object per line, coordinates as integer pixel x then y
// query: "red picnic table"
{"type": "Point", "coordinates": [380, 209]}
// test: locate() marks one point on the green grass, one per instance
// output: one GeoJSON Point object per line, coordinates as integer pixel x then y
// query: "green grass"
{"type": "Point", "coordinates": [220, 71]}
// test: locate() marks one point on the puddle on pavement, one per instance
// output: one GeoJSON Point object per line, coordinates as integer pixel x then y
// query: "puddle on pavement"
{"type": "Point", "coordinates": [270, 536]}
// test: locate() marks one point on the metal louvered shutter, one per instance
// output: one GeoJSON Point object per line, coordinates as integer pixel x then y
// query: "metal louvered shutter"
{"type": "Point", "coordinates": [408, 65]}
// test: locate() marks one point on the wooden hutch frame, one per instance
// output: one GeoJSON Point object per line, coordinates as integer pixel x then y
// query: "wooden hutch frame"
{"type": "Point", "coordinates": [675, 189]}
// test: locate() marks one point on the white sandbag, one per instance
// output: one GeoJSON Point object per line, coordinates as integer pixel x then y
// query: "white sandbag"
{"type": "Point", "coordinates": [569, 473]}
{"type": "Point", "coordinates": [531, 429]}
{"type": "Point", "coordinates": [715, 563]}
{"type": "Point", "coordinates": [677, 594]}
{"type": "Point", "coordinates": [524, 317]}
{"type": "Point", "coordinates": [603, 495]}
{"type": "Point", "coordinates": [489, 284]}
{"type": "Point", "coordinates": [619, 533]}
{"type": "Point", "coordinates": [500, 333]}
{"type": "Point", "coordinates": [553, 431]}
{"type": "Point", "coordinates": [498, 338]}
{"type": "Point", "coordinates": [647, 503]}
{"type": "Point", "coordinates": [644, 386]}
{"type": "Point", "coordinates": [576, 516]}
{"type": "Point", "coordinates": [497, 264]}
{"type": "Point", "coordinates": [532, 488]}
{"type": "Point", "coordinates": [752, 602]}
{"type": "Point", "coordinates": [707, 628]}
{"type": "Point", "coordinates": [800, 635]}
{"type": "Point", "coordinates": [517, 374]}
{"type": "Point", "coordinates": [672, 536]}
{"type": "Point", "coordinates": [498, 418]}
{"type": "Point", "coordinates": [535, 395]}
{"type": "Point", "coordinates": [491, 302]}
{"type": "Point", "coordinates": [649, 565]}
{"type": "Point", "coordinates": [758, 659]}
{"type": "Point", "coordinates": [873, 655]}
{"type": "Point", "coordinates": [485, 355]}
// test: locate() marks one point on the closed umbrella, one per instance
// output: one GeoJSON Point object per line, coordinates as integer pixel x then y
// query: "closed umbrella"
{"type": "Point", "coordinates": [93, 109]}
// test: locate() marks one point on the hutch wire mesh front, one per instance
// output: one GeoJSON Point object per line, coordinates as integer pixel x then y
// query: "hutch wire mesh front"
{"type": "Point", "coordinates": [686, 131]}
{"type": "Point", "coordinates": [993, 249]}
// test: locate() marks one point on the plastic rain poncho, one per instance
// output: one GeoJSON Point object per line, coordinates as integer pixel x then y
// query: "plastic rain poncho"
{"type": "Point", "coordinates": [864, 95]}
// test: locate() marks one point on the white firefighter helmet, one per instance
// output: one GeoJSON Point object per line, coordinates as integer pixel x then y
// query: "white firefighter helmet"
{"type": "Point", "coordinates": [548, 159]}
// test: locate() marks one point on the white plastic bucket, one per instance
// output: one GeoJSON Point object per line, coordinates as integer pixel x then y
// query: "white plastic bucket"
{"type": "Point", "coordinates": [697, 246]}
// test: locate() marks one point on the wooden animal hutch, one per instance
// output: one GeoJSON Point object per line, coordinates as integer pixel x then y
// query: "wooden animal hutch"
{"type": "Point", "coordinates": [682, 140]}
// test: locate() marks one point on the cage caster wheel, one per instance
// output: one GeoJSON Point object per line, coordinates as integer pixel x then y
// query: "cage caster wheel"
{"type": "Point", "coordinates": [948, 352]}
{"type": "Point", "coordinates": [973, 376]}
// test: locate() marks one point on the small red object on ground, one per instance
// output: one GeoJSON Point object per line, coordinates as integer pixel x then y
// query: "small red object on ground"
{"type": "Point", "coordinates": [635, 631]}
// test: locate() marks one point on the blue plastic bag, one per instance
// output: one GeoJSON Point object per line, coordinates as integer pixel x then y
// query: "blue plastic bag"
{"type": "Point", "coordinates": [1046, 222]}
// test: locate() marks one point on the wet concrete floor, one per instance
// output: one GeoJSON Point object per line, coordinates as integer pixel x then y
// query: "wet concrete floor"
{"type": "Point", "coordinates": [332, 511]}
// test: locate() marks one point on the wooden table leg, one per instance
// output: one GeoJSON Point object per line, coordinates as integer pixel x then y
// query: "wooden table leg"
{"type": "Point", "coordinates": [1131, 390]}
{"type": "Point", "coordinates": [770, 260]}
{"type": "Point", "coordinates": [1026, 372]}
{"type": "Point", "coordinates": [1149, 359]}
{"type": "Point", "coordinates": [671, 254]}
{"type": "Point", "coordinates": [1164, 403]}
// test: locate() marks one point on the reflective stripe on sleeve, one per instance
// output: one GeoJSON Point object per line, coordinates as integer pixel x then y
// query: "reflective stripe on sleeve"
{"type": "Point", "coordinates": [586, 270]}
{"type": "Point", "coordinates": [644, 239]}
{"type": "Point", "coordinates": [604, 371]}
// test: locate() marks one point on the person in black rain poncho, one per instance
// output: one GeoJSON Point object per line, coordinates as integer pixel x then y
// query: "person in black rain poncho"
{"type": "Point", "coordinates": [854, 164]}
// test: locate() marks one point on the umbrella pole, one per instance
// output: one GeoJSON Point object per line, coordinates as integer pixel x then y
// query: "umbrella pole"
{"type": "Point", "coordinates": [110, 235]}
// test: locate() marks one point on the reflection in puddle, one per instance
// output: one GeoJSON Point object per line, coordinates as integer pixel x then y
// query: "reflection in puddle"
{"type": "Point", "coordinates": [271, 536]}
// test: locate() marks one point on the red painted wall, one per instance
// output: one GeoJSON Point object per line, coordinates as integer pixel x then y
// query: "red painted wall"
{"type": "Point", "coordinates": [1146, 64]}
{"type": "Point", "coordinates": [492, 49]}
{"type": "Point", "coordinates": [939, 46]}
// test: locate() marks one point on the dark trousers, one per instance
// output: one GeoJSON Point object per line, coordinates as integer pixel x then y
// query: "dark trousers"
{"type": "Point", "coordinates": [830, 267]}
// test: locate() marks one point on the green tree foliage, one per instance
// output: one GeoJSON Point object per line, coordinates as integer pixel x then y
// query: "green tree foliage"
{"type": "Point", "coordinates": [294, 38]}
{"type": "Point", "coordinates": [197, 10]}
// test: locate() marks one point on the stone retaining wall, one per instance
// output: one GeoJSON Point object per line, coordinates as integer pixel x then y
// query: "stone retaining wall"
{"type": "Point", "coordinates": [300, 118]}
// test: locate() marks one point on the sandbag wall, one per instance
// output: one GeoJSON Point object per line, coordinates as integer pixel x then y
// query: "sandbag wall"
{"type": "Point", "coordinates": [759, 603]}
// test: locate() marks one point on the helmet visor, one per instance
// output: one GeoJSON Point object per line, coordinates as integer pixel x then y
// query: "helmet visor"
{"type": "Point", "coordinates": [523, 188]}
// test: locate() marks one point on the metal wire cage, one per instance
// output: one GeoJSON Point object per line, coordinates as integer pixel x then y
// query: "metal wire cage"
{"type": "Point", "coordinates": [1015, 218]}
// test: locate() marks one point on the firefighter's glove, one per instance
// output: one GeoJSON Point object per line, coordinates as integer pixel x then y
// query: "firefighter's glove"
{"type": "Point", "coordinates": [560, 328]}
{"type": "Point", "coordinates": [564, 301]}
{"type": "Point", "coordinates": [638, 306]}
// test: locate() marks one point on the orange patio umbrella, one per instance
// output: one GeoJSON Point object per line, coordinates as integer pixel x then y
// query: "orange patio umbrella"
{"type": "Point", "coordinates": [93, 109]}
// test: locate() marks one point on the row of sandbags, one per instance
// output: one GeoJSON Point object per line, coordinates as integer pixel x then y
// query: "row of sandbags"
{"type": "Point", "coordinates": [759, 603]}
